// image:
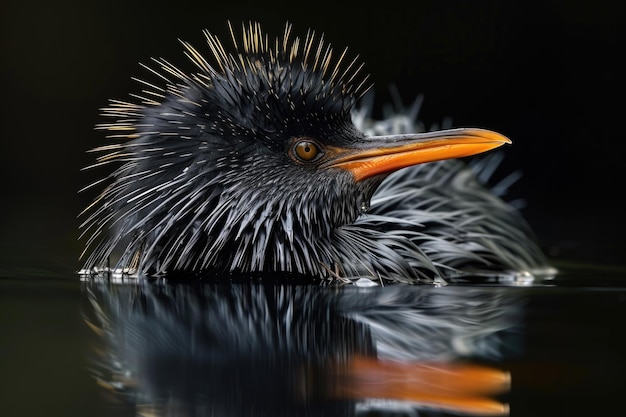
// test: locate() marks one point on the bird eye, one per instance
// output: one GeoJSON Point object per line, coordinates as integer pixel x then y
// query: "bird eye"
{"type": "Point", "coordinates": [306, 150]}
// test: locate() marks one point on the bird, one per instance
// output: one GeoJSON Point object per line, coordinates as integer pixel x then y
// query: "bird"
{"type": "Point", "coordinates": [256, 163]}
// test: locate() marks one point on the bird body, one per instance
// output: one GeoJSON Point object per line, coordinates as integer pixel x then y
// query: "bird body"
{"type": "Point", "coordinates": [253, 164]}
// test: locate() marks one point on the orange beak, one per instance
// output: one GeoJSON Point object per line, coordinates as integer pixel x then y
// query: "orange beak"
{"type": "Point", "coordinates": [385, 154]}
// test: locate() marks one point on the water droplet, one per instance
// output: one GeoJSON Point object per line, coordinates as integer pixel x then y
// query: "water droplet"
{"type": "Point", "coordinates": [365, 206]}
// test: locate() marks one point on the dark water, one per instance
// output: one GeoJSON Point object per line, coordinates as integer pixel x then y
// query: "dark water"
{"type": "Point", "coordinates": [98, 348]}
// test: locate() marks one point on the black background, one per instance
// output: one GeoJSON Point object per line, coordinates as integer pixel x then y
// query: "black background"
{"type": "Point", "coordinates": [547, 74]}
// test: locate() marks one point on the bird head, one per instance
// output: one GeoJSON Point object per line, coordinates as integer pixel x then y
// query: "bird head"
{"type": "Point", "coordinates": [250, 163]}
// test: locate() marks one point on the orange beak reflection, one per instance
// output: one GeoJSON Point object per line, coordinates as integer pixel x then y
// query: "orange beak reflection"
{"type": "Point", "coordinates": [459, 388]}
{"type": "Point", "coordinates": [385, 154]}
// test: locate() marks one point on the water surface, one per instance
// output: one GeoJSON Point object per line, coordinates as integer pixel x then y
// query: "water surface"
{"type": "Point", "coordinates": [101, 348]}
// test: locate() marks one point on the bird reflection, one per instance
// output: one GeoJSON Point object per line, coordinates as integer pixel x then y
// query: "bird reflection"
{"type": "Point", "coordinates": [197, 349]}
